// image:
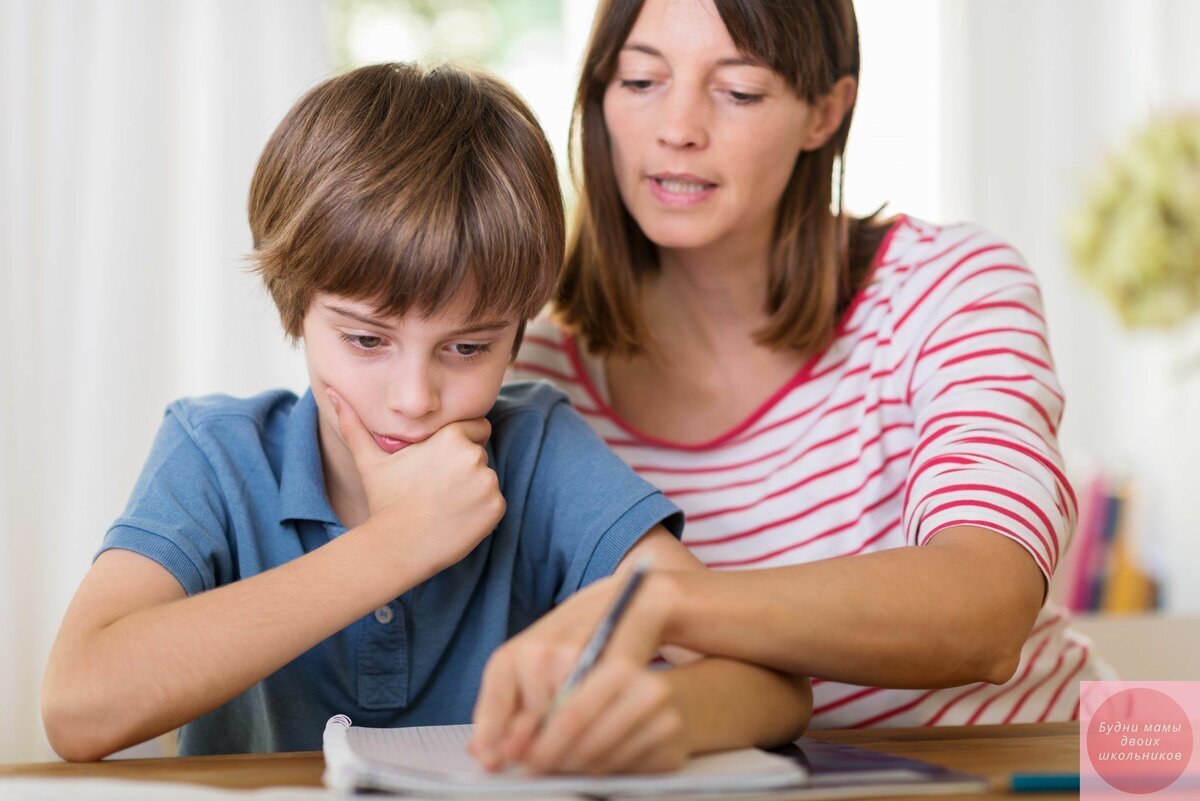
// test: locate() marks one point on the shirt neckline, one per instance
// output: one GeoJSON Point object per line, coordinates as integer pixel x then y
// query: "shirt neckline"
{"type": "Point", "coordinates": [605, 408]}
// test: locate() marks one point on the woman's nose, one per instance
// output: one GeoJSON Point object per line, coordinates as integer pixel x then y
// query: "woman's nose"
{"type": "Point", "coordinates": [682, 124]}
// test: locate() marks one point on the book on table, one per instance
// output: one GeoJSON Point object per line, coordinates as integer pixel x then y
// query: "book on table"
{"type": "Point", "coordinates": [433, 761]}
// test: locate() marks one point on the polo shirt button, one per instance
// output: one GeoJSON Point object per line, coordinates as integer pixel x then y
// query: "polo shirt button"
{"type": "Point", "coordinates": [384, 614]}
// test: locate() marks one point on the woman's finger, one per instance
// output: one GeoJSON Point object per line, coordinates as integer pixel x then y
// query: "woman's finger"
{"type": "Point", "coordinates": [638, 699]}
{"type": "Point", "coordinates": [556, 742]}
{"type": "Point", "coordinates": [540, 671]}
{"type": "Point", "coordinates": [494, 709]}
{"type": "Point", "coordinates": [654, 747]}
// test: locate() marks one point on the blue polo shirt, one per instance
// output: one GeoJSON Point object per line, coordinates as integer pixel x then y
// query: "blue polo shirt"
{"type": "Point", "coordinates": [234, 487]}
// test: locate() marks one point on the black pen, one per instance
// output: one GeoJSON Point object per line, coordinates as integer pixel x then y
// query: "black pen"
{"type": "Point", "coordinates": [601, 636]}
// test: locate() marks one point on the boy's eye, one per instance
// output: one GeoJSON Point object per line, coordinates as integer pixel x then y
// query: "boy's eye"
{"type": "Point", "coordinates": [744, 98]}
{"type": "Point", "coordinates": [363, 342]}
{"type": "Point", "coordinates": [469, 349]}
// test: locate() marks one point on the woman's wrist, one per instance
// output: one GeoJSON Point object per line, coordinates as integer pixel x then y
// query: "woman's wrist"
{"type": "Point", "coordinates": [665, 594]}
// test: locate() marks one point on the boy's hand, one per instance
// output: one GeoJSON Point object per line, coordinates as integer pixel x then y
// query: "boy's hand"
{"type": "Point", "coordinates": [624, 718]}
{"type": "Point", "coordinates": [439, 495]}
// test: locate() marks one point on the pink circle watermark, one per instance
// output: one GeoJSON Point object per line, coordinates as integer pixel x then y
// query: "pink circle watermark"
{"type": "Point", "coordinates": [1139, 740]}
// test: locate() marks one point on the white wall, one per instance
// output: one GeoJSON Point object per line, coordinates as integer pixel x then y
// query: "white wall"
{"type": "Point", "coordinates": [1035, 93]}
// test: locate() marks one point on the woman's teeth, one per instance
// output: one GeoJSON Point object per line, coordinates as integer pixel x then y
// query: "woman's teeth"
{"type": "Point", "coordinates": [681, 187]}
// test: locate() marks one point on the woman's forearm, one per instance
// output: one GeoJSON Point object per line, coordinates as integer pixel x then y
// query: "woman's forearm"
{"type": "Point", "coordinates": [162, 666]}
{"type": "Point", "coordinates": [952, 612]}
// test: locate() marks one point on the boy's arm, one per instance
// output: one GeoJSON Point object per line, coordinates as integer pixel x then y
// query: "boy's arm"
{"type": "Point", "coordinates": [625, 717]}
{"type": "Point", "coordinates": [135, 658]}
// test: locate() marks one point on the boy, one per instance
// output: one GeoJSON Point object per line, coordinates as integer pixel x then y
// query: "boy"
{"type": "Point", "coordinates": [365, 547]}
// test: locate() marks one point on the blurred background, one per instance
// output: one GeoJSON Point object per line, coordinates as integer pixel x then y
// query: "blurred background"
{"type": "Point", "coordinates": [129, 130]}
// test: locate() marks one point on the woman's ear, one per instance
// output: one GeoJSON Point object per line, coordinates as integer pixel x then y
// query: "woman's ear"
{"type": "Point", "coordinates": [829, 110]}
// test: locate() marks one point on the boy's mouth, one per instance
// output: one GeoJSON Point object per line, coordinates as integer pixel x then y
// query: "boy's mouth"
{"type": "Point", "coordinates": [391, 444]}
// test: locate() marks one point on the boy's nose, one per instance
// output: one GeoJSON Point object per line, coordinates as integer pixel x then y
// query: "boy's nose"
{"type": "Point", "coordinates": [413, 393]}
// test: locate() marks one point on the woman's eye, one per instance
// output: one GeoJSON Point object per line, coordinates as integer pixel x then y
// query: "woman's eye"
{"type": "Point", "coordinates": [636, 84]}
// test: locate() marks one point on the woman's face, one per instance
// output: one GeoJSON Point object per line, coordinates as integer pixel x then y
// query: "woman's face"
{"type": "Point", "coordinates": [703, 139]}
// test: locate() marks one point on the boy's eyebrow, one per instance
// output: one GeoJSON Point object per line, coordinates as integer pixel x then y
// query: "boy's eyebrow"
{"type": "Point", "coordinates": [362, 318]}
{"type": "Point", "coordinates": [738, 61]}
{"type": "Point", "coordinates": [482, 327]}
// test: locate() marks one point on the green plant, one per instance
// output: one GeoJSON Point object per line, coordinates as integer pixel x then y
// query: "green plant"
{"type": "Point", "coordinates": [1137, 237]}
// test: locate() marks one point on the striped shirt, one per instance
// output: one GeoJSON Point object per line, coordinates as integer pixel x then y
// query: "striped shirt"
{"type": "Point", "coordinates": [937, 405]}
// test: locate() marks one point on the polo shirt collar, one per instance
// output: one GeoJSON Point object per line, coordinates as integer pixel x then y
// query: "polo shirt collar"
{"type": "Point", "coordinates": [302, 476]}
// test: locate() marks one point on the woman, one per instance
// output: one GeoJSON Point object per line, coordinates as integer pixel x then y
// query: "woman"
{"type": "Point", "coordinates": [815, 391]}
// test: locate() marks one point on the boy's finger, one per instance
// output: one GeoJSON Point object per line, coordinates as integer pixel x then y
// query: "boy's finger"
{"type": "Point", "coordinates": [360, 442]}
{"type": "Point", "coordinates": [477, 430]}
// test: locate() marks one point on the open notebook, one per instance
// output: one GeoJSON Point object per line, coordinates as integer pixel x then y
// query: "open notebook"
{"type": "Point", "coordinates": [433, 760]}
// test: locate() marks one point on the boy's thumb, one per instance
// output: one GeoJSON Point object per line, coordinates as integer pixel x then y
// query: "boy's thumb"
{"type": "Point", "coordinates": [354, 433]}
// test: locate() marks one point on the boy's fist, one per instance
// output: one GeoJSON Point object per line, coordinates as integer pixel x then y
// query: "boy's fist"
{"type": "Point", "coordinates": [438, 497]}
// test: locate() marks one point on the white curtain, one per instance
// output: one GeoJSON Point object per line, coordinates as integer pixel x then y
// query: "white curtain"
{"type": "Point", "coordinates": [130, 130]}
{"type": "Point", "coordinates": [1036, 93]}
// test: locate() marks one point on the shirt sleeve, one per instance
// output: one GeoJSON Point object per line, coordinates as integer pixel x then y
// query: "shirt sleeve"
{"type": "Point", "coordinates": [987, 406]}
{"type": "Point", "coordinates": [176, 513]}
{"type": "Point", "coordinates": [586, 508]}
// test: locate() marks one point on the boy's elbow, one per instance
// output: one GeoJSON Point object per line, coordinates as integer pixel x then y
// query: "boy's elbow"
{"type": "Point", "coordinates": [73, 733]}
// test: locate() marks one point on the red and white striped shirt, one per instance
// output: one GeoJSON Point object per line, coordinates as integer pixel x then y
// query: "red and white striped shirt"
{"type": "Point", "coordinates": [936, 406]}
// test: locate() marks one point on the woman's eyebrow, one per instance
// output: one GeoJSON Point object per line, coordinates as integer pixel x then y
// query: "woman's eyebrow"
{"type": "Point", "coordinates": [728, 61]}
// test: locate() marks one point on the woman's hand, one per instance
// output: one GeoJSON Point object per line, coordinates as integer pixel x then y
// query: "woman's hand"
{"type": "Point", "coordinates": [623, 718]}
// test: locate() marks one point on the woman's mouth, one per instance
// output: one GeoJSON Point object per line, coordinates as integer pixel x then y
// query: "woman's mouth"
{"type": "Point", "coordinates": [680, 190]}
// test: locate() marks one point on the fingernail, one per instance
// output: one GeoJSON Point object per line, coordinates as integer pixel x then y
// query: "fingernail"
{"type": "Point", "coordinates": [333, 399]}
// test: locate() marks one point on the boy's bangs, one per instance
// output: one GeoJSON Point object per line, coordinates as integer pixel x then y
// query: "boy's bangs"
{"type": "Point", "coordinates": [431, 253]}
{"type": "Point", "coordinates": [413, 190]}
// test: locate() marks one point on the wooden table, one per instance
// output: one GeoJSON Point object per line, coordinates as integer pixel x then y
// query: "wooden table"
{"type": "Point", "coordinates": [992, 751]}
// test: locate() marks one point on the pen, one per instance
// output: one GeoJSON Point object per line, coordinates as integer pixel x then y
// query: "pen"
{"type": "Point", "coordinates": [1045, 782]}
{"type": "Point", "coordinates": [602, 634]}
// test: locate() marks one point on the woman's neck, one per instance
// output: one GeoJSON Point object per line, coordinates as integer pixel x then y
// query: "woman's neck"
{"type": "Point", "coordinates": [703, 302]}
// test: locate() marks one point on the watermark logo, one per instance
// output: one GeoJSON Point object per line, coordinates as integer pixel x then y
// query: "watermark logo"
{"type": "Point", "coordinates": [1139, 739]}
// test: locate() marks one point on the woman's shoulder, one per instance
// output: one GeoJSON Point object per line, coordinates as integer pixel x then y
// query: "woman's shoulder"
{"type": "Point", "coordinates": [916, 245]}
{"type": "Point", "coordinates": [919, 258]}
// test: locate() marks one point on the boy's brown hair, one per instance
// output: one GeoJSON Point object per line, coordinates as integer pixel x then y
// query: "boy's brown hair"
{"type": "Point", "coordinates": [404, 187]}
{"type": "Point", "coordinates": [820, 255]}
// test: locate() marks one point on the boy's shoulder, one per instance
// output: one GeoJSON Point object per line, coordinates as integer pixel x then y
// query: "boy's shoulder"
{"type": "Point", "coordinates": [210, 411]}
{"type": "Point", "coordinates": [526, 398]}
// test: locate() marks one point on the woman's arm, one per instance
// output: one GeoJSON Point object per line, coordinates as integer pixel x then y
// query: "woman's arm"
{"type": "Point", "coordinates": [626, 717]}
{"type": "Point", "coordinates": [955, 611]}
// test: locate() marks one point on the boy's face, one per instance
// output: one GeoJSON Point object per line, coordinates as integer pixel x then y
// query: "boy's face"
{"type": "Point", "coordinates": [405, 377]}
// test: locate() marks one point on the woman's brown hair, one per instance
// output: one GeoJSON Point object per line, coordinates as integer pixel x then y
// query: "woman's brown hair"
{"type": "Point", "coordinates": [405, 187]}
{"type": "Point", "coordinates": [820, 255]}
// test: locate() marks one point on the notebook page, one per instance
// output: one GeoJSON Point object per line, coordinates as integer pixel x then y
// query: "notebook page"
{"type": "Point", "coordinates": [441, 752]}
{"type": "Point", "coordinates": [438, 749]}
